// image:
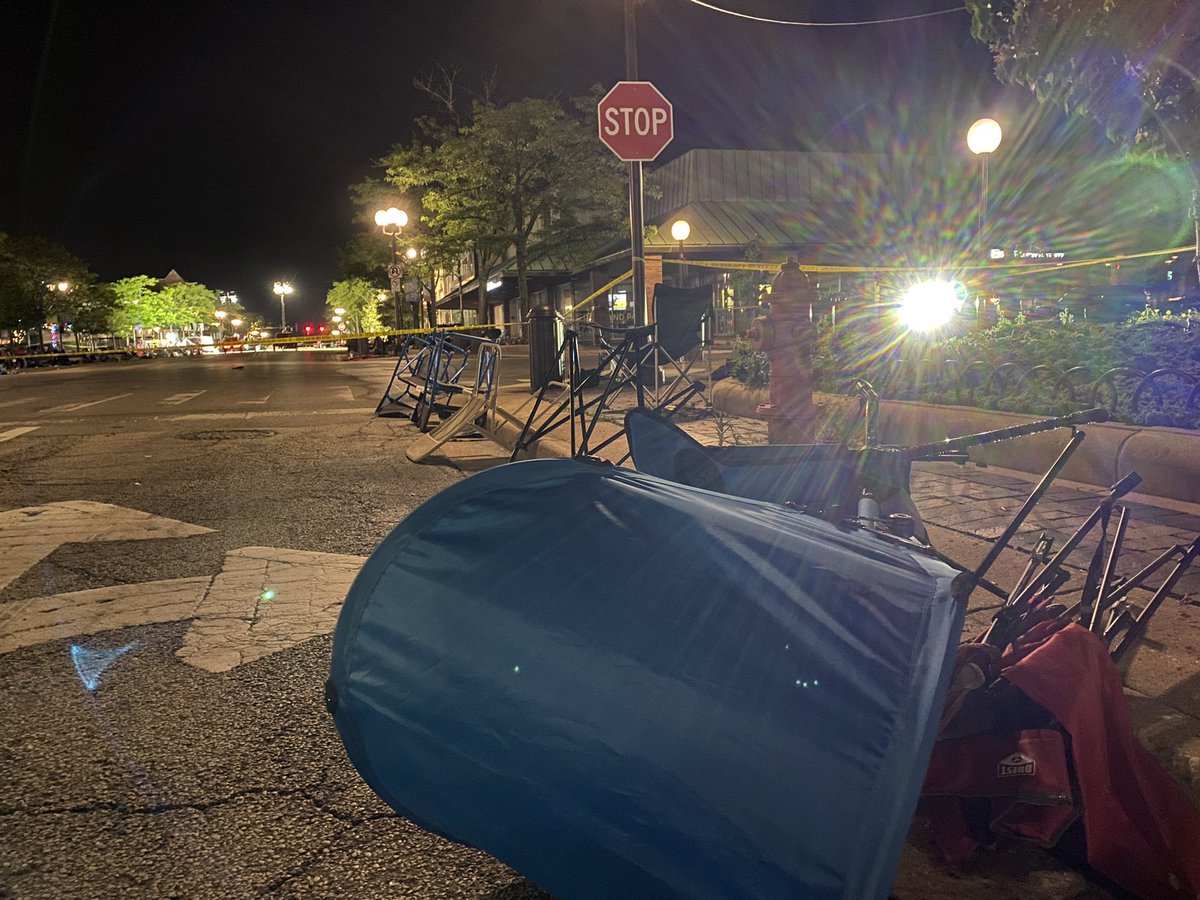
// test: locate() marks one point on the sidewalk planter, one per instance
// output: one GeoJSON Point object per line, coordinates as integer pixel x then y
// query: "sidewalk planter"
{"type": "Point", "coordinates": [1168, 459]}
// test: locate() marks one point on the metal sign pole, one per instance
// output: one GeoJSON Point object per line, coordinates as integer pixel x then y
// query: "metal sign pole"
{"type": "Point", "coordinates": [636, 228]}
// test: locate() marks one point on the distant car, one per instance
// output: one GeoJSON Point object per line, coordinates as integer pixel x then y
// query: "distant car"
{"type": "Point", "coordinates": [232, 345]}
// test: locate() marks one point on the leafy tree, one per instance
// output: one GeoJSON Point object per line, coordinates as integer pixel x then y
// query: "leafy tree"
{"type": "Point", "coordinates": [135, 303]}
{"type": "Point", "coordinates": [31, 270]}
{"type": "Point", "coordinates": [188, 304]}
{"type": "Point", "coordinates": [558, 188]}
{"type": "Point", "coordinates": [138, 304]}
{"type": "Point", "coordinates": [456, 205]}
{"type": "Point", "coordinates": [528, 179]}
{"type": "Point", "coordinates": [359, 298]}
{"type": "Point", "coordinates": [1096, 57]}
{"type": "Point", "coordinates": [365, 257]}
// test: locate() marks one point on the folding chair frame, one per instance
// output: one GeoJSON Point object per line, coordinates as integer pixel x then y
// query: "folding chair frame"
{"type": "Point", "coordinates": [632, 353]}
{"type": "Point", "coordinates": [428, 369]}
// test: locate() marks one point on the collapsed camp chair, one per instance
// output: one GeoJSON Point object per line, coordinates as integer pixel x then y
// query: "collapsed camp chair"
{"type": "Point", "coordinates": [425, 379]}
{"type": "Point", "coordinates": [626, 362]}
{"type": "Point", "coordinates": [478, 414]}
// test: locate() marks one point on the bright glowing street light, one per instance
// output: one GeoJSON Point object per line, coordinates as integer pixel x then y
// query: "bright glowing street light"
{"type": "Point", "coordinates": [282, 288]}
{"type": "Point", "coordinates": [681, 230]}
{"type": "Point", "coordinates": [983, 137]}
{"type": "Point", "coordinates": [929, 305]}
{"type": "Point", "coordinates": [391, 220]}
{"type": "Point", "coordinates": [63, 286]}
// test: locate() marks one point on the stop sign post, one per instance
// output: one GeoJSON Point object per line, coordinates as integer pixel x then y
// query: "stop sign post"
{"type": "Point", "coordinates": [636, 121]}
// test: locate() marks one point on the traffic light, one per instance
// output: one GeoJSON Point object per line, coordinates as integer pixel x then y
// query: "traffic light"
{"type": "Point", "coordinates": [308, 329]}
{"type": "Point", "coordinates": [321, 329]}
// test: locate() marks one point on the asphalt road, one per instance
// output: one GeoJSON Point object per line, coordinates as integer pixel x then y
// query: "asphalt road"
{"type": "Point", "coordinates": [190, 755]}
{"type": "Point", "coordinates": [175, 538]}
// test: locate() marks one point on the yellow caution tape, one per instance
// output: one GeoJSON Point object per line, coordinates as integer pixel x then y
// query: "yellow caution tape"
{"type": "Point", "coordinates": [1009, 268]}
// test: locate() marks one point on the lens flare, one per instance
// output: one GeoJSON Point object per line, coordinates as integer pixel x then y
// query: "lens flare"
{"type": "Point", "coordinates": [90, 665]}
{"type": "Point", "coordinates": [929, 305]}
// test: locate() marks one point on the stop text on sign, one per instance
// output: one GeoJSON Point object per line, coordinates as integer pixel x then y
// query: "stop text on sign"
{"type": "Point", "coordinates": [636, 121]}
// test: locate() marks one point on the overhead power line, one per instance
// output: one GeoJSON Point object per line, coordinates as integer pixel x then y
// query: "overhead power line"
{"type": "Point", "coordinates": [741, 15]}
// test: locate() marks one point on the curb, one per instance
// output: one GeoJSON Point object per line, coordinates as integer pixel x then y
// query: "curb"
{"type": "Point", "coordinates": [1168, 459]}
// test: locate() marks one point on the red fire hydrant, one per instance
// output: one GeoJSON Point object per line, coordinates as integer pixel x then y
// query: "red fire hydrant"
{"type": "Point", "coordinates": [785, 336]}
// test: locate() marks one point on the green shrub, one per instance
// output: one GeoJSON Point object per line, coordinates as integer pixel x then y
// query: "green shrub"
{"type": "Point", "coordinates": [1148, 340]}
{"type": "Point", "coordinates": [748, 365]}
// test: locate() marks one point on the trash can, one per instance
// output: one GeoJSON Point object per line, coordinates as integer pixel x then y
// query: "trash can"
{"type": "Point", "coordinates": [546, 333]}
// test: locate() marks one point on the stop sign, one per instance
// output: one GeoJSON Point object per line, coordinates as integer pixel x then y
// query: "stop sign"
{"type": "Point", "coordinates": [636, 121]}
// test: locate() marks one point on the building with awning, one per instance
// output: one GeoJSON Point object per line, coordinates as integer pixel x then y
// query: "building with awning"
{"type": "Point", "coordinates": [764, 204]}
{"type": "Point", "coordinates": [743, 206]}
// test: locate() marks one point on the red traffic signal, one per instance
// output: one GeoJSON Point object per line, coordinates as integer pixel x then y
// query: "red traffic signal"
{"type": "Point", "coordinates": [308, 329]}
{"type": "Point", "coordinates": [320, 329]}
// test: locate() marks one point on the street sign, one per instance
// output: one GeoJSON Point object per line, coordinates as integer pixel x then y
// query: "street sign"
{"type": "Point", "coordinates": [395, 272]}
{"type": "Point", "coordinates": [397, 283]}
{"type": "Point", "coordinates": [636, 121]}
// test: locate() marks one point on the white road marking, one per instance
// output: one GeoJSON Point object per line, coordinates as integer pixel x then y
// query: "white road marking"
{"type": "Point", "coordinates": [79, 613]}
{"type": "Point", "coordinates": [16, 432]}
{"type": "Point", "coordinates": [22, 400]}
{"type": "Point", "coordinates": [264, 600]}
{"type": "Point", "coordinates": [71, 407]}
{"type": "Point", "coordinates": [263, 400]}
{"type": "Point", "coordinates": [344, 393]}
{"type": "Point", "coordinates": [30, 534]}
{"type": "Point", "coordinates": [239, 621]}
{"type": "Point", "coordinates": [177, 399]}
{"type": "Point", "coordinates": [366, 411]}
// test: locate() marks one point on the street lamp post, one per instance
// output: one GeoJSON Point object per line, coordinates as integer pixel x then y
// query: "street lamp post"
{"type": "Point", "coordinates": [411, 255]}
{"type": "Point", "coordinates": [282, 288]}
{"type": "Point", "coordinates": [681, 230]}
{"type": "Point", "coordinates": [392, 221]}
{"type": "Point", "coordinates": [983, 137]}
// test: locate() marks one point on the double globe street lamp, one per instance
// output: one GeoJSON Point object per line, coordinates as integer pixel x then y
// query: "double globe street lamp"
{"type": "Point", "coordinates": [282, 288]}
{"type": "Point", "coordinates": [392, 221]}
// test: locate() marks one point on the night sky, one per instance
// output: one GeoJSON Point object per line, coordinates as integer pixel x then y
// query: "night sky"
{"type": "Point", "coordinates": [221, 141]}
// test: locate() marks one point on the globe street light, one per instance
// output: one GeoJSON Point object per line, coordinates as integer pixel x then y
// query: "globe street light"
{"type": "Point", "coordinates": [392, 220]}
{"type": "Point", "coordinates": [983, 137]}
{"type": "Point", "coordinates": [282, 288]}
{"type": "Point", "coordinates": [681, 230]}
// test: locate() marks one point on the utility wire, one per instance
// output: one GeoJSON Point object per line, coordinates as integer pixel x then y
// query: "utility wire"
{"type": "Point", "coordinates": [740, 15]}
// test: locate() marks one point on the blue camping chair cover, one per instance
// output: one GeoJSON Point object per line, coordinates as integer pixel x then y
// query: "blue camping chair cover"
{"type": "Point", "coordinates": [626, 687]}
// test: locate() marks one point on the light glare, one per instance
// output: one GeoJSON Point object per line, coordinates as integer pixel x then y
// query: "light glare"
{"type": "Point", "coordinates": [929, 305]}
{"type": "Point", "coordinates": [983, 136]}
